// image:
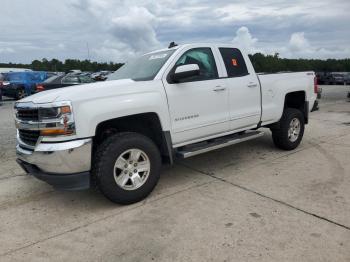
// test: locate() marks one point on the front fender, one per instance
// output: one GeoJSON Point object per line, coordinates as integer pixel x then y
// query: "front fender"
{"type": "Point", "coordinates": [91, 113]}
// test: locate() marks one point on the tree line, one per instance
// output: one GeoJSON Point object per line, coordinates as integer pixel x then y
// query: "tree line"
{"type": "Point", "coordinates": [273, 63]}
{"type": "Point", "coordinates": [261, 63]}
{"type": "Point", "coordinates": [55, 65]}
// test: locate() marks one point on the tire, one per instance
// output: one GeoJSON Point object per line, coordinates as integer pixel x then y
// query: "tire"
{"type": "Point", "coordinates": [19, 93]}
{"type": "Point", "coordinates": [281, 136]}
{"type": "Point", "coordinates": [108, 172]}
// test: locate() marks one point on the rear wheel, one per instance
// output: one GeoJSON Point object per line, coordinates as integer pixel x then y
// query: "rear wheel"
{"type": "Point", "coordinates": [127, 167]}
{"type": "Point", "coordinates": [290, 131]}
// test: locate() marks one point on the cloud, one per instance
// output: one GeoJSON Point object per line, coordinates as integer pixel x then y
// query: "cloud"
{"type": "Point", "coordinates": [300, 47]}
{"type": "Point", "coordinates": [6, 50]}
{"type": "Point", "coordinates": [298, 42]}
{"type": "Point", "coordinates": [296, 46]}
{"type": "Point", "coordinates": [118, 29]}
{"type": "Point", "coordinates": [245, 40]}
{"type": "Point", "coordinates": [128, 29]}
{"type": "Point", "coordinates": [136, 29]}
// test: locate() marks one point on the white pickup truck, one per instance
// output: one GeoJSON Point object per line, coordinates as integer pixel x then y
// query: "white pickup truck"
{"type": "Point", "coordinates": [172, 103]}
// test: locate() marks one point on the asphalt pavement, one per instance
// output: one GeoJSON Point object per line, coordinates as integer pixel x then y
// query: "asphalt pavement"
{"type": "Point", "coordinates": [247, 202]}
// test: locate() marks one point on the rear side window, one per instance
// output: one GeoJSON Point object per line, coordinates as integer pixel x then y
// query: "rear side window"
{"type": "Point", "coordinates": [85, 79]}
{"type": "Point", "coordinates": [70, 80]}
{"type": "Point", "coordinates": [234, 62]}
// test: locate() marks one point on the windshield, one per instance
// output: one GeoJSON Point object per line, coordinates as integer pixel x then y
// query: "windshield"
{"type": "Point", "coordinates": [142, 68]}
{"type": "Point", "coordinates": [51, 79]}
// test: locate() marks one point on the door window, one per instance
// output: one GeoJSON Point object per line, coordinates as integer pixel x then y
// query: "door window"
{"type": "Point", "coordinates": [234, 62]}
{"type": "Point", "coordinates": [70, 80]}
{"type": "Point", "coordinates": [204, 58]}
{"type": "Point", "coordinates": [85, 79]}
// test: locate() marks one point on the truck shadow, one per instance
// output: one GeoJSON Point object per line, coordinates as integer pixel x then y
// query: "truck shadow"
{"type": "Point", "coordinates": [185, 173]}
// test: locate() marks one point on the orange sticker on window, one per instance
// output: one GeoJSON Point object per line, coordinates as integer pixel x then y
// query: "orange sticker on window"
{"type": "Point", "coordinates": [234, 62]}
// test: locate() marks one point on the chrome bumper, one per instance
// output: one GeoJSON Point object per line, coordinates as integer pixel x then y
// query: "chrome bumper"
{"type": "Point", "coordinates": [59, 158]}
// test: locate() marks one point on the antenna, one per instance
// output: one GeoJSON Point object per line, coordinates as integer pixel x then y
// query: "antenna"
{"type": "Point", "coordinates": [172, 44]}
{"type": "Point", "coordinates": [88, 50]}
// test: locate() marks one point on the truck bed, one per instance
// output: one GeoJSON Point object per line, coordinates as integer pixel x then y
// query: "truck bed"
{"type": "Point", "coordinates": [275, 86]}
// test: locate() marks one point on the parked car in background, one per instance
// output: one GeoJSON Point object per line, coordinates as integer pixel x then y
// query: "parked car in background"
{"type": "Point", "coordinates": [333, 78]}
{"type": "Point", "coordinates": [2, 77]}
{"type": "Point", "coordinates": [74, 71]}
{"type": "Point", "coordinates": [347, 82]}
{"type": "Point", "coordinates": [21, 84]}
{"type": "Point", "coordinates": [63, 81]}
{"type": "Point", "coordinates": [322, 77]}
{"type": "Point", "coordinates": [347, 78]}
{"type": "Point", "coordinates": [101, 76]}
{"type": "Point", "coordinates": [337, 78]}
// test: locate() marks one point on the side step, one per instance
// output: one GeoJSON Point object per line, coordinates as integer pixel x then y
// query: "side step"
{"type": "Point", "coordinates": [213, 144]}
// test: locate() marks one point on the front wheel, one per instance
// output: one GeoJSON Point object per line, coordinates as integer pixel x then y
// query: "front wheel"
{"type": "Point", "coordinates": [290, 131]}
{"type": "Point", "coordinates": [20, 94]}
{"type": "Point", "coordinates": [127, 167]}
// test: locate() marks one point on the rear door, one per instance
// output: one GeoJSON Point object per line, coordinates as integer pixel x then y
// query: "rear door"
{"type": "Point", "coordinates": [243, 89]}
{"type": "Point", "coordinates": [198, 105]}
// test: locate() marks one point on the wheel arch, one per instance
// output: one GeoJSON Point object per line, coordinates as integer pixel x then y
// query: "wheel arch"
{"type": "Point", "coordinates": [148, 124]}
{"type": "Point", "coordinates": [293, 99]}
{"type": "Point", "coordinates": [297, 100]}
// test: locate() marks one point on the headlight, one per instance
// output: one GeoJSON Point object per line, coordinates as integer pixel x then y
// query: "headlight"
{"type": "Point", "coordinates": [56, 119]}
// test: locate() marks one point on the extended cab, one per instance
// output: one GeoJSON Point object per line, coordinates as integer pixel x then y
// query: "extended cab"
{"type": "Point", "coordinates": [172, 103]}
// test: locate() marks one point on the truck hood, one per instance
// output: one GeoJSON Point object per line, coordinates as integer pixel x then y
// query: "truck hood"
{"type": "Point", "coordinates": [82, 92]}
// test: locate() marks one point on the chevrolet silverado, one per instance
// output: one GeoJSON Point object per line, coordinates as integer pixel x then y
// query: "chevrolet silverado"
{"type": "Point", "coordinates": [172, 103]}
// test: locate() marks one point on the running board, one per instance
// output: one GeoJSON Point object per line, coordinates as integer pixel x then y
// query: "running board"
{"type": "Point", "coordinates": [213, 144]}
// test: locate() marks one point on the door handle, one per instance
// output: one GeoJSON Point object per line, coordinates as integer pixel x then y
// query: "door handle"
{"type": "Point", "coordinates": [219, 89]}
{"type": "Point", "coordinates": [252, 85]}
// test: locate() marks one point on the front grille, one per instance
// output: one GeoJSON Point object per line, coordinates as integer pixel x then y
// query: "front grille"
{"type": "Point", "coordinates": [28, 114]}
{"type": "Point", "coordinates": [29, 137]}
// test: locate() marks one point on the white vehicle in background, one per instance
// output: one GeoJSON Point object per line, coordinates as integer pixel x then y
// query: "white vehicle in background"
{"type": "Point", "coordinates": [172, 103]}
{"type": "Point", "coordinates": [7, 70]}
{"type": "Point", "coordinates": [74, 71]}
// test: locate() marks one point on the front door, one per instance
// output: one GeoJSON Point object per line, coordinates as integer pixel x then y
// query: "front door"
{"type": "Point", "coordinates": [198, 105]}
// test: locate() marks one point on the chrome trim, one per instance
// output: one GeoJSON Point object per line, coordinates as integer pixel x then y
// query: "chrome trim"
{"type": "Point", "coordinates": [22, 144]}
{"type": "Point", "coordinates": [61, 146]}
{"type": "Point", "coordinates": [29, 105]}
{"type": "Point", "coordinates": [46, 124]}
{"type": "Point", "coordinates": [31, 125]}
{"type": "Point", "coordinates": [24, 105]}
{"type": "Point", "coordinates": [186, 154]}
{"type": "Point", "coordinates": [61, 158]}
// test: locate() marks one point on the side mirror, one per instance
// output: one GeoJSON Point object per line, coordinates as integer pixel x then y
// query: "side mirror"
{"type": "Point", "coordinates": [185, 71]}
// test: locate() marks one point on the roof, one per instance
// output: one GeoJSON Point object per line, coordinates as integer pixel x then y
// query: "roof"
{"type": "Point", "coordinates": [195, 44]}
{"type": "Point", "coordinates": [8, 69]}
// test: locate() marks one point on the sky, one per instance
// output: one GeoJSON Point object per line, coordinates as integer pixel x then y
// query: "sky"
{"type": "Point", "coordinates": [117, 30]}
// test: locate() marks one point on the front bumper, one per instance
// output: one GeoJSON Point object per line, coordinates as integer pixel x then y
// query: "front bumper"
{"type": "Point", "coordinates": [64, 165]}
{"type": "Point", "coordinates": [78, 181]}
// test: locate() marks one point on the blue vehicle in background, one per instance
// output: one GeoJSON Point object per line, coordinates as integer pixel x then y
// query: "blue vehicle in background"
{"type": "Point", "coordinates": [21, 84]}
